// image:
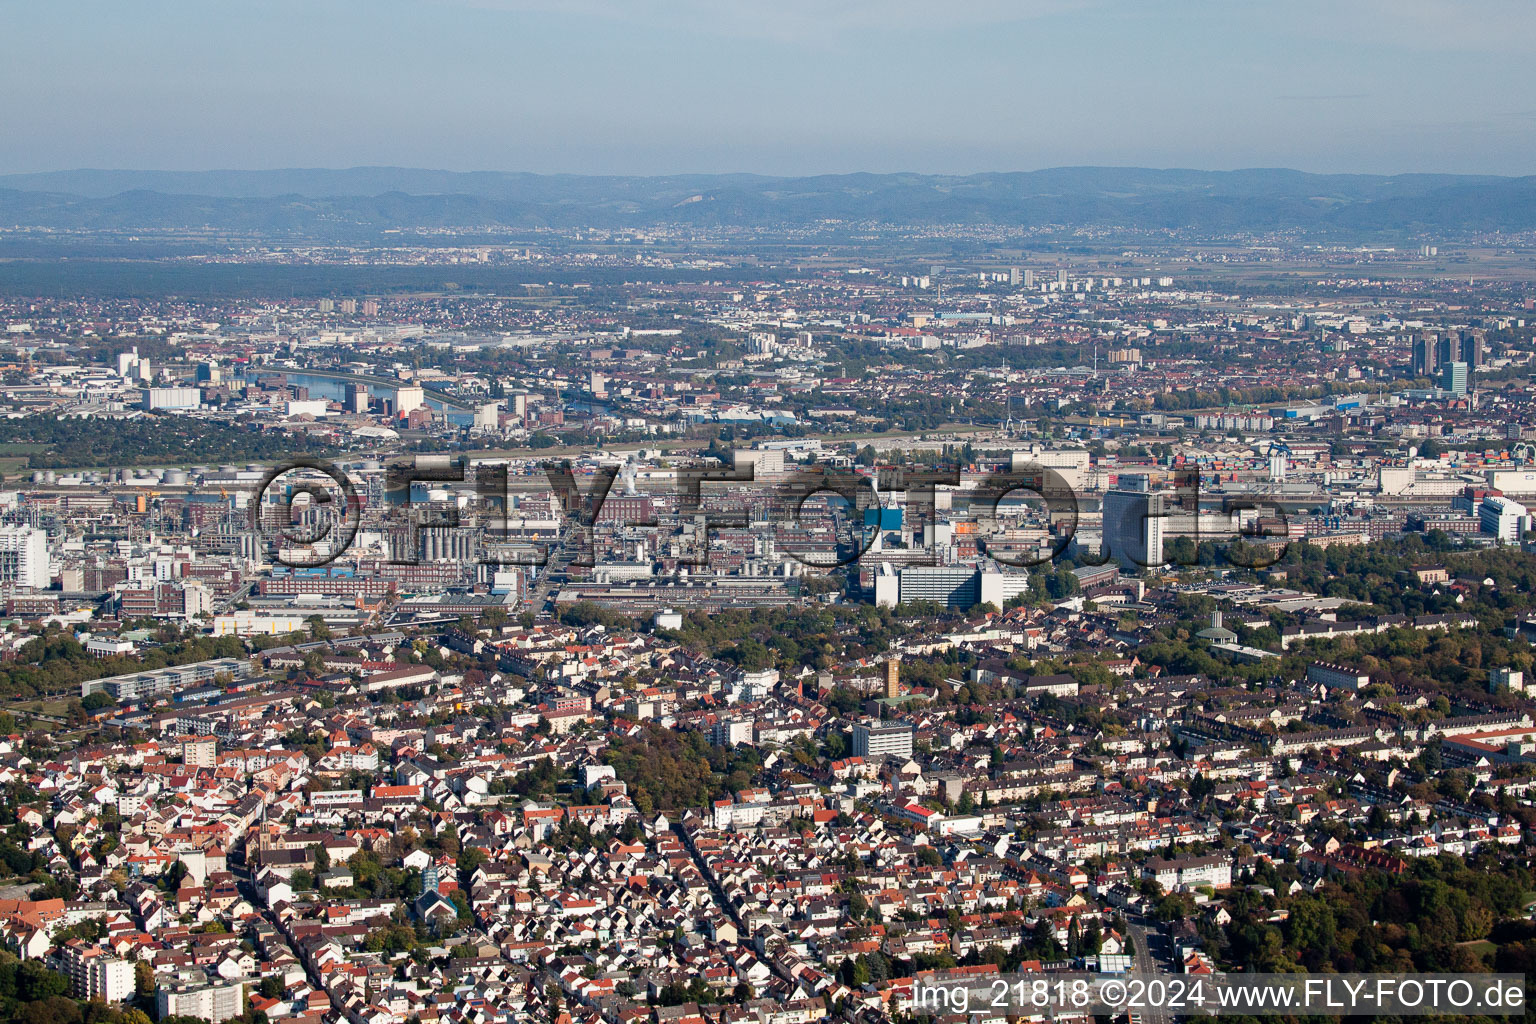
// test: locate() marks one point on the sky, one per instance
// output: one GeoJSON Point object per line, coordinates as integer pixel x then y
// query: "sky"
{"type": "Point", "coordinates": [770, 86]}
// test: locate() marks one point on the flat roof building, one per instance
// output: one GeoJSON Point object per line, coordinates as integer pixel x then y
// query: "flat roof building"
{"type": "Point", "coordinates": [880, 740]}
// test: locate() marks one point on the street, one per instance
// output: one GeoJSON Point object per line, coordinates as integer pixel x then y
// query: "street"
{"type": "Point", "coordinates": [1150, 960]}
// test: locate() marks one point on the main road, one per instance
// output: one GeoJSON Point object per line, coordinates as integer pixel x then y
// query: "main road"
{"type": "Point", "coordinates": [1146, 965]}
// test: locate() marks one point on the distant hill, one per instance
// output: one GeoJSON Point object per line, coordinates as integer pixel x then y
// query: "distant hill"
{"type": "Point", "coordinates": [363, 201]}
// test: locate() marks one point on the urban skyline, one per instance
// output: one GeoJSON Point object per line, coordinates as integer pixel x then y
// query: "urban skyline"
{"type": "Point", "coordinates": [639, 512]}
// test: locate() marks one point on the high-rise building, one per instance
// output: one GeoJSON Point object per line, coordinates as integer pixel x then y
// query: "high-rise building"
{"type": "Point", "coordinates": [200, 752]}
{"type": "Point", "coordinates": [1133, 524]}
{"type": "Point", "coordinates": [1447, 349]}
{"type": "Point", "coordinates": [94, 973]}
{"type": "Point", "coordinates": [731, 732]}
{"type": "Point", "coordinates": [1505, 679]}
{"type": "Point", "coordinates": [24, 557]}
{"type": "Point", "coordinates": [370, 307]}
{"type": "Point", "coordinates": [1456, 377]}
{"type": "Point", "coordinates": [209, 373]}
{"type": "Point", "coordinates": [879, 740]}
{"type": "Point", "coordinates": [1471, 349]}
{"type": "Point", "coordinates": [892, 678]}
{"type": "Point", "coordinates": [191, 992]}
{"type": "Point", "coordinates": [1029, 278]}
{"type": "Point", "coordinates": [1426, 358]}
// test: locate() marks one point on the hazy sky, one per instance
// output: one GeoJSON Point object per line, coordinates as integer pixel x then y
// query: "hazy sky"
{"type": "Point", "coordinates": [773, 86]}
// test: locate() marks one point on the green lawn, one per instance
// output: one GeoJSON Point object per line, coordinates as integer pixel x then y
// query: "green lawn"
{"type": "Point", "coordinates": [56, 706]}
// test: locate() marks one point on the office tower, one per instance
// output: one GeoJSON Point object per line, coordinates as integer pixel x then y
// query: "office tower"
{"type": "Point", "coordinates": [1502, 518]}
{"type": "Point", "coordinates": [209, 373]}
{"type": "Point", "coordinates": [1456, 377]}
{"type": "Point", "coordinates": [1133, 524]}
{"type": "Point", "coordinates": [953, 586]}
{"type": "Point", "coordinates": [24, 557]}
